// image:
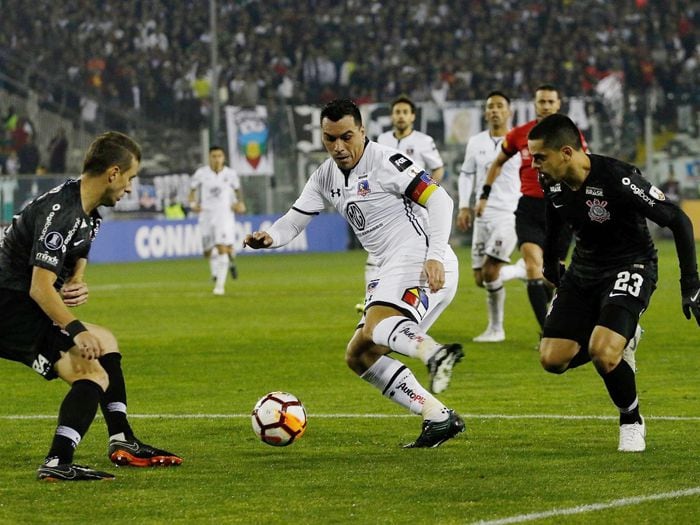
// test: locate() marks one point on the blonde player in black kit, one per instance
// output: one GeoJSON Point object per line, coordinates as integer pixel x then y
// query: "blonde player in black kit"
{"type": "Point", "coordinates": [42, 265]}
{"type": "Point", "coordinates": [613, 270]}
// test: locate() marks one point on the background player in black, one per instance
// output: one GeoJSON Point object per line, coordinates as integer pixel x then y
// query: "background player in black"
{"type": "Point", "coordinates": [42, 263]}
{"type": "Point", "coordinates": [613, 270]}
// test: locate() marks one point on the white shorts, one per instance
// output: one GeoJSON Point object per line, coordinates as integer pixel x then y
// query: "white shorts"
{"type": "Point", "coordinates": [495, 238]}
{"type": "Point", "coordinates": [401, 284]}
{"type": "Point", "coordinates": [217, 230]}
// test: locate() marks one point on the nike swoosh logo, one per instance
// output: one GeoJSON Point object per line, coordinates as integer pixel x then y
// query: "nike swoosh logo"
{"type": "Point", "coordinates": [557, 205]}
{"type": "Point", "coordinates": [695, 297]}
{"type": "Point", "coordinates": [81, 241]}
{"type": "Point", "coordinates": [616, 294]}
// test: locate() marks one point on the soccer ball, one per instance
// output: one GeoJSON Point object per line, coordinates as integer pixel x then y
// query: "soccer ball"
{"type": "Point", "coordinates": [279, 419]}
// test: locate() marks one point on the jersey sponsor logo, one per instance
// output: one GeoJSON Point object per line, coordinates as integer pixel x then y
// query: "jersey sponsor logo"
{"type": "Point", "coordinates": [355, 216]}
{"type": "Point", "coordinates": [53, 241]}
{"type": "Point", "coordinates": [47, 223]}
{"type": "Point", "coordinates": [363, 188]}
{"type": "Point", "coordinates": [657, 193]}
{"type": "Point", "coordinates": [597, 211]}
{"type": "Point", "coordinates": [56, 207]}
{"type": "Point", "coordinates": [417, 299]}
{"type": "Point", "coordinates": [595, 192]}
{"type": "Point", "coordinates": [47, 259]}
{"type": "Point", "coordinates": [400, 162]}
{"type": "Point", "coordinates": [335, 192]}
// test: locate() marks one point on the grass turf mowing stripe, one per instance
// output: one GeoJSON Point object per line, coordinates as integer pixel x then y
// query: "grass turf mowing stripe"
{"type": "Point", "coordinates": [592, 507]}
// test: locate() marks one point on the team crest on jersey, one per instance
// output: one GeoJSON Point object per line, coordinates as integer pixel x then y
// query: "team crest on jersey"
{"type": "Point", "coordinates": [53, 240]}
{"type": "Point", "coordinates": [372, 285]}
{"type": "Point", "coordinates": [417, 299]}
{"type": "Point", "coordinates": [597, 211]}
{"type": "Point", "coordinates": [363, 188]}
{"type": "Point", "coordinates": [409, 151]}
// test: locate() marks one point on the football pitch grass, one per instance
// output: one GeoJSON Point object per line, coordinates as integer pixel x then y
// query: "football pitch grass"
{"type": "Point", "coordinates": [539, 448]}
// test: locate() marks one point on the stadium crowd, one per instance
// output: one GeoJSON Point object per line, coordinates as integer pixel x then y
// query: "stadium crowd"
{"type": "Point", "coordinates": [153, 56]}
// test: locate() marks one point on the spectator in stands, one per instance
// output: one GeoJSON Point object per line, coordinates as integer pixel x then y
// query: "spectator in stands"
{"type": "Point", "coordinates": [58, 148]}
{"type": "Point", "coordinates": [29, 157]}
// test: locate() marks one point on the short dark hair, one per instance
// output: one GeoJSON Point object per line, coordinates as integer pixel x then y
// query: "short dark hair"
{"type": "Point", "coordinates": [497, 93]}
{"type": "Point", "coordinates": [339, 108]}
{"type": "Point", "coordinates": [109, 149]}
{"type": "Point", "coordinates": [403, 99]}
{"type": "Point", "coordinates": [216, 147]}
{"type": "Point", "coordinates": [548, 87]}
{"type": "Point", "coordinates": [556, 131]}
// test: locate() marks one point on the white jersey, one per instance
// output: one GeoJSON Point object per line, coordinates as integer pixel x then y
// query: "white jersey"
{"type": "Point", "coordinates": [216, 190]}
{"type": "Point", "coordinates": [419, 146]}
{"type": "Point", "coordinates": [481, 151]}
{"type": "Point", "coordinates": [382, 198]}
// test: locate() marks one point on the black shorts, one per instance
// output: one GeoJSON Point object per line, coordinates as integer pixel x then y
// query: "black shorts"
{"type": "Point", "coordinates": [530, 225]}
{"type": "Point", "coordinates": [28, 335]}
{"type": "Point", "coordinates": [616, 302]}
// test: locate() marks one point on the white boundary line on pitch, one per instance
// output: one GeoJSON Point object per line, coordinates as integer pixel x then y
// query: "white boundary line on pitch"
{"type": "Point", "coordinates": [592, 507]}
{"type": "Point", "coordinates": [367, 416]}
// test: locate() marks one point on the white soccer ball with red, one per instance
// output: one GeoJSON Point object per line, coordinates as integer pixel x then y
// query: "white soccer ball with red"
{"type": "Point", "coordinates": [279, 419]}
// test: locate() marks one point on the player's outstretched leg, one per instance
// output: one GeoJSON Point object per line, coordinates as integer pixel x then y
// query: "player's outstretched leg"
{"type": "Point", "coordinates": [124, 447]}
{"type": "Point", "coordinates": [134, 453]}
{"type": "Point", "coordinates": [397, 383]}
{"type": "Point", "coordinates": [404, 336]}
{"type": "Point", "coordinates": [51, 470]}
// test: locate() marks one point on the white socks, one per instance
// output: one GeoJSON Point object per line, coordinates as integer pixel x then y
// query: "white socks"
{"type": "Point", "coordinates": [396, 382]}
{"type": "Point", "coordinates": [512, 271]}
{"type": "Point", "coordinates": [405, 337]}
{"type": "Point", "coordinates": [221, 270]}
{"type": "Point", "coordinates": [495, 299]}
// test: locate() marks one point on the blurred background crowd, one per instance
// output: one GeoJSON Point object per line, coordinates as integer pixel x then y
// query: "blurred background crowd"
{"type": "Point", "coordinates": [147, 64]}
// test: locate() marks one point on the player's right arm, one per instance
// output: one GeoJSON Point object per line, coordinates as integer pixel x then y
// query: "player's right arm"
{"type": "Point", "coordinates": [193, 197]}
{"type": "Point", "coordinates": [491, 176]}
{"type": "Point", "coordinates": [286, 228]}
{"type": "Point", "coordinates": [44, 294]}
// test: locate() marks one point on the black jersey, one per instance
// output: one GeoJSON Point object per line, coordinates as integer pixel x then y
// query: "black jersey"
{"type": "Point", "coordinates": [608, 216]}
{"type": "Point", "coordinates": [51, 232]}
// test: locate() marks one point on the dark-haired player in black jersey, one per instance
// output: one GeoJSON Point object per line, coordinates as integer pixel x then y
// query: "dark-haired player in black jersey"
{"type": "Point", "coordinates": [613, 270]}
{"type": "Point", "coordinates": [42, 263]}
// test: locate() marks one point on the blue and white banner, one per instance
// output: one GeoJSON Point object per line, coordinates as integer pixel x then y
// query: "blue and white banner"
{"type": "Point", "coordinates": [124, 241]}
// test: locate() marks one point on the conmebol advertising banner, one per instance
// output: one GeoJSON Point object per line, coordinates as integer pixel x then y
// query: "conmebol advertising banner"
{"type": "Point", "coordinates": [139, 240]}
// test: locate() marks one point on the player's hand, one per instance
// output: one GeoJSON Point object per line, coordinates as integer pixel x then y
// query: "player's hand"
{"type": "Point", "coordinates": [74, 294]}
{"type": "Point", "coordinates": [195, 207]}
{"type": "Point", "coordinates": [88, 345]}
{"type": "Point", "coordinates": [480, 207]}
{"type": "Point", "coordinates": [691, 303]}
{"type": "Point", "coordinates": [464, 219]}
{"type": "Point", "coordinates": [553, 272]}
{"type": "Point", "coordinates": [435, 273]}
{"type": "Point", "coordinates": [239, 207]}
{"type": "Point", "coordinates": [257, 240]}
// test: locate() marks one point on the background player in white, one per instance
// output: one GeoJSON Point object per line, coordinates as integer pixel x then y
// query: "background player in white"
{"type": "Point", "coordinates": [417, 145]}
{"type": "Point", "coordinates": [494, 237]}
{"type": "Point", "coordinates": [215, 193]}
{"type": "Point", "coordinates": [403, 218]}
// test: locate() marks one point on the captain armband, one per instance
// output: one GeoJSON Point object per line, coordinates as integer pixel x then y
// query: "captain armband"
{"type": "Point", "coordinates": [485, 192]}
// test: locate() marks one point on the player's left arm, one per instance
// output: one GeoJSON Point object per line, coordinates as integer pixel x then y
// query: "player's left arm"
{"type": "Point", "coordinates": [652, 203]}
{"type": "Point", "coordinates": [75, 290]}
{"type": "Point", "coordinates": [239, 206]}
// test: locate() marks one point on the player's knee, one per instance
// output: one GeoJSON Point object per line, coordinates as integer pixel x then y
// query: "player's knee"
{"type": "Point", "coordinates": [552, 360]}
{"type": "Point", "coordinates": [604, 358]}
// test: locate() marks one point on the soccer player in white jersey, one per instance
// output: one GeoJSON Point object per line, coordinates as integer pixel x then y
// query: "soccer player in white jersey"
{"type": "Point", "coordinates": [215, 193]}
{"type": "Point", "coordinates": [418, 146]}
{"type": "Point", "coordinates": [403, 218]}
{"type": "Point", "coordinates": [494, 237]}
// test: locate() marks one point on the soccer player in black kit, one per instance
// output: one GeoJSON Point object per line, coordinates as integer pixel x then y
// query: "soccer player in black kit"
{"type": "Point", "coordinates": [42, 263]}
{"type": "Point", "coordinates": [613, 270]}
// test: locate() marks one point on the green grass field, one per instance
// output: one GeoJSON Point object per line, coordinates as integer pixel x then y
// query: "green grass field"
{"type": "Point", "coordinates": [538, 447]}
